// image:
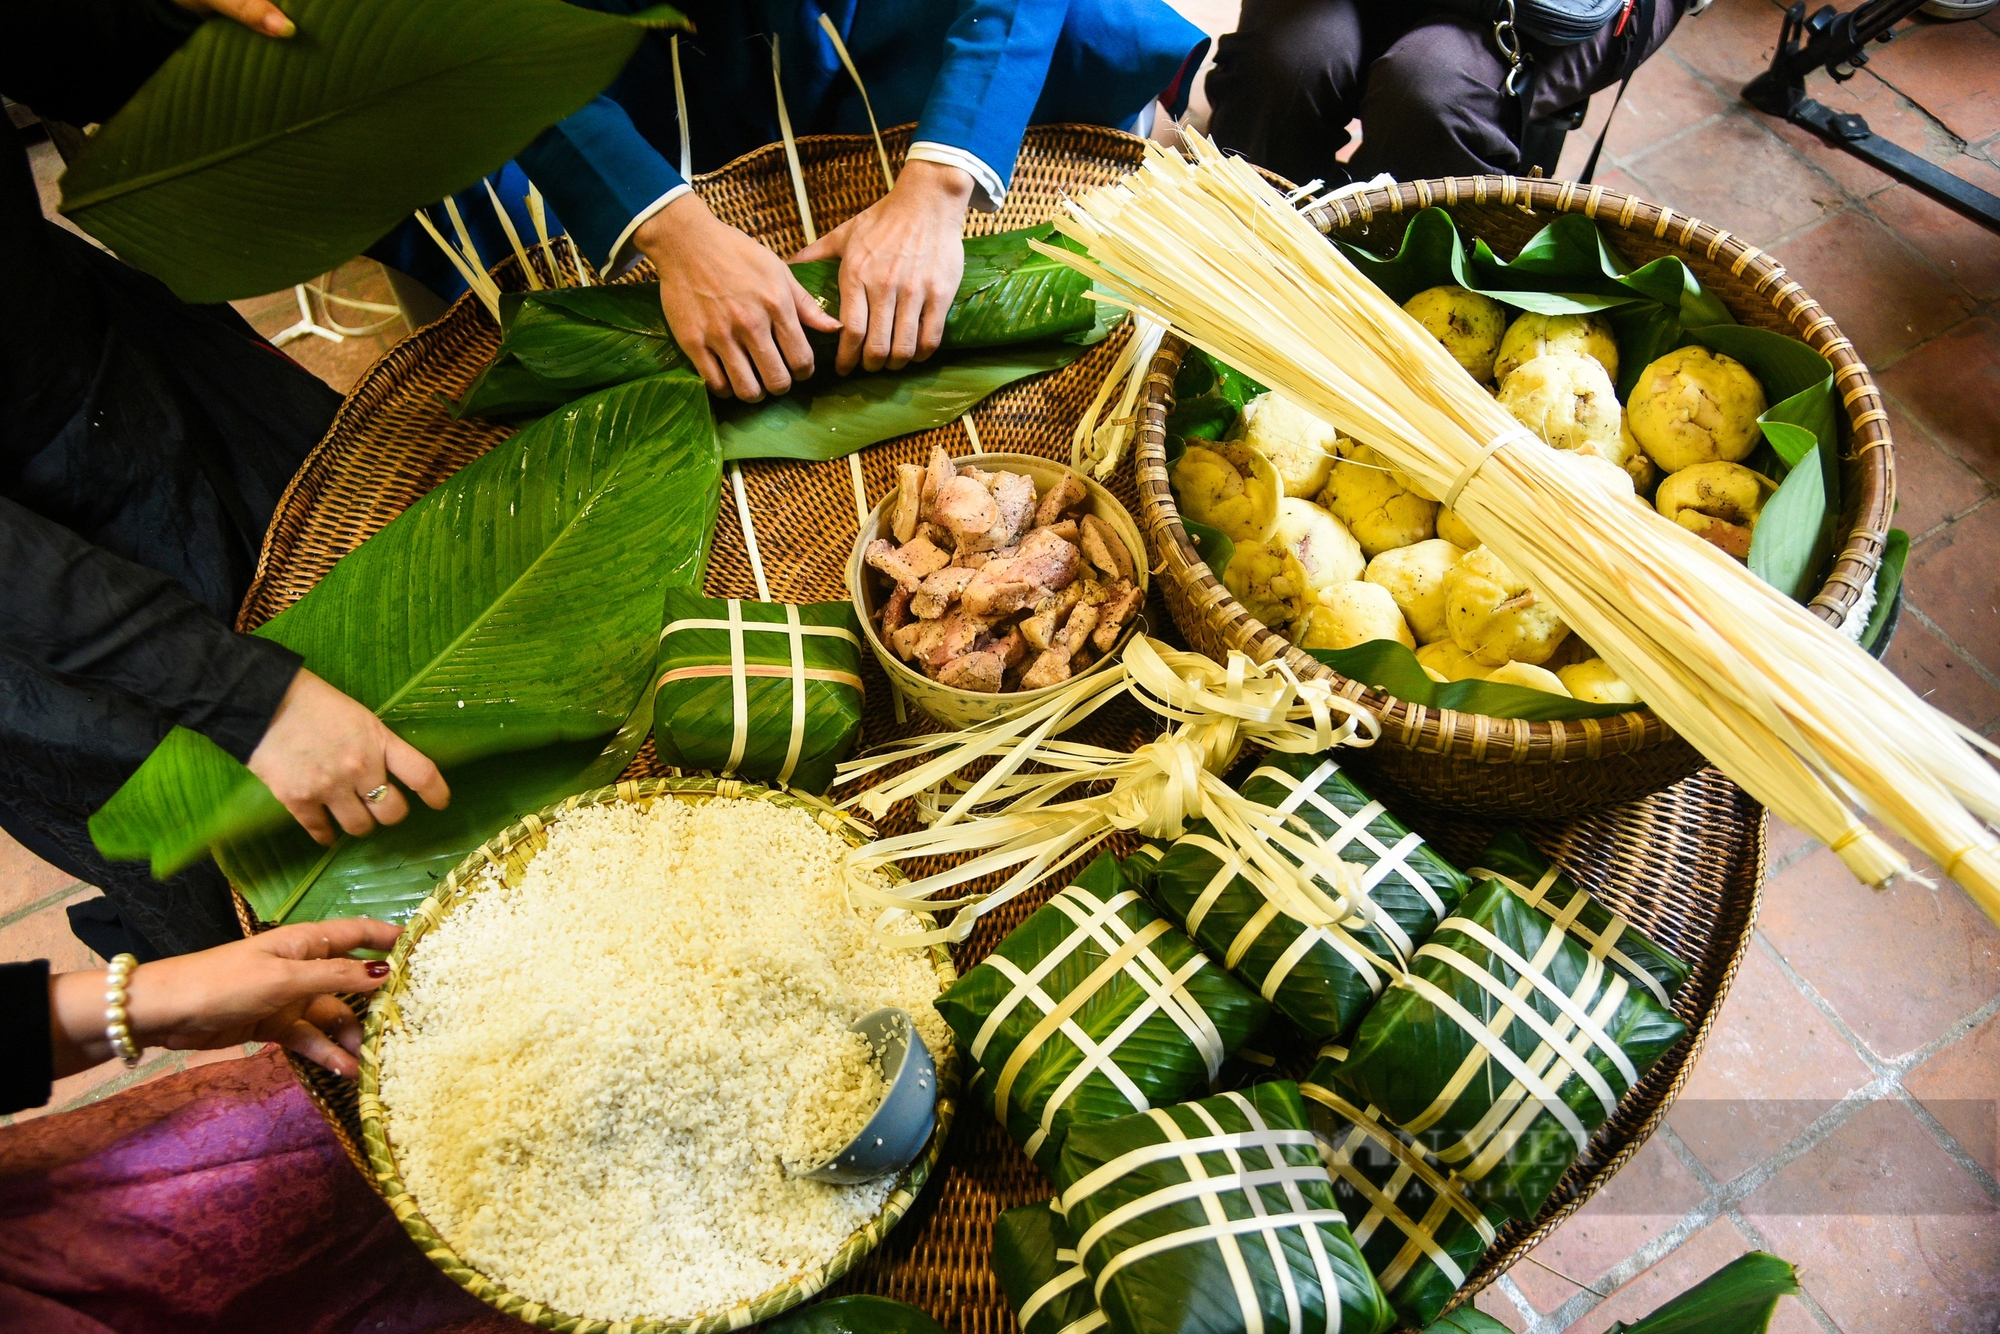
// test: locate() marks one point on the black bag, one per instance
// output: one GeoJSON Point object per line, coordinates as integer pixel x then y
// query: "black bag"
{"type": "Point", "coordinates": [1554, 22]}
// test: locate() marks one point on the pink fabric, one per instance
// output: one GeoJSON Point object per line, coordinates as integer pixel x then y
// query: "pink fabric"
{"type": "Point", "coordinates": [211, 1200]}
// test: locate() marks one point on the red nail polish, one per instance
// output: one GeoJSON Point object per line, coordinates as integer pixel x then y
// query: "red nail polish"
{"type": "Point", "coordinates": [378, 969]}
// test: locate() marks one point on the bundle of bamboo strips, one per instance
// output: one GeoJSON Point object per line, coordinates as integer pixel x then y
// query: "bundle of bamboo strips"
{"type": "Point", "coordinates": [1804, 720]}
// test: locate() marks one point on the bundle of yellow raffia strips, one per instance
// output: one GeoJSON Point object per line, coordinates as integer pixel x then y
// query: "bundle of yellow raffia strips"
{"type": "Point", "coordinates": [1804, 720]}
{"type": "Point", "coordinates": [1014, 818]}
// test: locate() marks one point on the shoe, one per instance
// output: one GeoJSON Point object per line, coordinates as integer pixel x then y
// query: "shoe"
{"type": "Point", "coordinates": [1953, 10]}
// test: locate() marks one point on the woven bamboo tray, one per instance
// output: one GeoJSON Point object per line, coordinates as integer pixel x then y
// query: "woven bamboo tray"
{"type": "Point", "coordinates": [1468, 762]}
{"type": "Point", "coordinates": [510, 851]}
{"type": "Point", "coordinates": [1685, 864]}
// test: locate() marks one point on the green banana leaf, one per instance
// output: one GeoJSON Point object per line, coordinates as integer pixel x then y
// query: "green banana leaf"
{"type": "Point", "coordinates": [1133, 1193]}
{"type": "Point", "coordinates": [1208, 398]}
{"type": "Point", "coordinates": [1509, 1124]}
{"type": "Point", "coordinates": [1888, 580]}
{"type": "Point", "coordinates": [856, 1315]}
{"type": "Point", "coordinates": [512, 608]}
{"type": "Point", "coordinates": [247, 164]}
{"type": "Point", "coordinates": [1153, 1055]}
{"type": "Point", "coordinates": [1032, 1249]}
{"type": "Point", "coordinates": [1323, 985]}
{"type": "Point", "coordinates": [1739, 1298]}
{"type": "Point", "coordinates": [1466, 1320]}
{"type": "Point", "coordinates": [1387, 665]}
{"type": "Point", "coordinates": [559, 344]}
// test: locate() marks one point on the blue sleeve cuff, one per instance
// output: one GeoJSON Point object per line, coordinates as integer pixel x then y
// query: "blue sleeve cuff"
{"type": "Point", "coordinates": [996, 58]}
{"type": "Point", "coordinates": [601, 177]}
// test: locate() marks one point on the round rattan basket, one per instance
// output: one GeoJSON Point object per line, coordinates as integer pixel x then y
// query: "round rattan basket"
{"type": "Point", "coordinates": [509, 852]}
{"type": "Point", "coordinates": [1467, 762]}
{"type": "Point", "coordinates": [1685, 864]}
{"type": "Point", "coordinates": [944, 704]}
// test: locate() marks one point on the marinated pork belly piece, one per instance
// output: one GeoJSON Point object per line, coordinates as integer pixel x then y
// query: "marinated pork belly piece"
{"type": "Point", "coordinates": [909, 501]}
{"type": "Point", "coordinates": [974, 671]}
{"type": "Point", "coordinates": [895, 613]}
{"type": "Point", "coordinates": [1064, 496]}
{"type": "Point", "coordinates": [1103, 548]}
{"type": "Point", "coordinates": [1049, 614]}
{"type": "Point", "coordinates": [1014, 496]}
{"type": "Point", "coordinates": [939, 472]}
{"type": "Point", "coordinates": [1121, 601]}
{"type": "Point", "coordinates": [974, 560]}
{"type": "Point", "coordinates": [1043, 564]}
{"type": "Point", "coordinates": [939, 591]}
{"type": "Point", "coordinates": [961, 632]}
{"type": "Point", "coordinates": [1066, 655]}
{"type": "Point", "coordinates": [908, 564]}
{"type": "Point", "coordinates": [918, 640]}
{"type": "Point", "coordinates": [1066, 530]}
{"type": "Point", "coordinates": [1012, 647]}
{"type": "Point", "coordinates": [967, 508]}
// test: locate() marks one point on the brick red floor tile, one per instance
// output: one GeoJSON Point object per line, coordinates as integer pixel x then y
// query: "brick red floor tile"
{"type": "Point", "coordinates": [1646, 1198]}
{"type": "Point", "coordinates": [1888, 112]}
{"type": "Point", "coordinates": [1853, 175]}
{"type": "Point", "coordinates": [1694, 1260]}
{"type": "Point", "coordinates": [1781, 841]}
{"type": "Point", "coordinates": [1766, 192]}
{"type": "Point", "coordinates": [1773, 1064]}
{"type": "Point", "coordinates": [26, 878]}
{"type": "Point", "coordinates": [1932, 484]}
{"type": "Point", "coordinates": [1963, 250]}
{"type": "Point", "coordinates": [1665, 98]}
{"type": "Point", "coordinates": [1960, 1086]}
{"type": "Point", "coordinates": [1940, 677]}
{"type": "Point", "coordinates": [1887, 1231]}
{"type": "Point", "coordinates": [1951, 385]}
{"type": "Point", "coordinates": [1951, 576]}
{"type": "Point", "coordinates": [339, 364]}
{"type": "Point", "coordinates": [1577, 146]}
{"type": "Point", "coordinates": [235, 1053]}
{"type": "Point", "coordinates": [1731, 43]}
{"type": "Point", "coordinates": [1947, 69]}
{"type": "Point", "coordinates": [1885, 297]}
{"type": "Point", "coordinates": [1500, 1306]}
{"type": "Point", "coordinates": [1900, 966]}
{"type": "Point", "coordinates": [45, 934]}
{"type": "Point", "coordinates": [1623, 183]}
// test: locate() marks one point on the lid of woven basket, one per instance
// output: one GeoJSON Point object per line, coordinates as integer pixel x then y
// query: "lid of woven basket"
{"type": "Point", "coordinates": [392, 440]}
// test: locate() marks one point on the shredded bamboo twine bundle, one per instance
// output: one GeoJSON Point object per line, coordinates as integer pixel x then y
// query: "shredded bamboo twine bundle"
{"type": "Point", "coordinates": [1804, 720]}
{"type": "Point", "coordinates": [1012, 817]}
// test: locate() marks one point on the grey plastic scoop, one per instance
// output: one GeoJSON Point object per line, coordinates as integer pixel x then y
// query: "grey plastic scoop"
{"type": "Point", "coordinates": [896, 1133]}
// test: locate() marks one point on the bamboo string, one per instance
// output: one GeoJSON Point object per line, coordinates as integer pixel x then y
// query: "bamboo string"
{"type": "Point", "coordinates": [749, 532]}
{"type": "Point", "coordinates": [474, 273]}
{"type": "Point", "coordinates": [1804, 720]}
{"type": "Point", "coordinates": [538, 213]}
{"type": "Point", "coordinates": [535, 283]}
{"type": "Point", "coordinates": [840, 49]}
{"type": "Point", "coordinates": [791, 145]}
{"type": "Point", "coordinates": [681, 109]}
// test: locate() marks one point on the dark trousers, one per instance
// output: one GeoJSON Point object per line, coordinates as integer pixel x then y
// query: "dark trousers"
{"type": "Point", "coordinates": [1427, 88]}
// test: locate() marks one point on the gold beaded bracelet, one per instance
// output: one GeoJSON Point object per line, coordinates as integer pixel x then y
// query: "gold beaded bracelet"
{"type": "Point", "coordinates": [117, 1023]}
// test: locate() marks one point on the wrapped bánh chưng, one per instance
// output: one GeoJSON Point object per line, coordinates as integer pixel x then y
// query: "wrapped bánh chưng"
{"type": "Point", "coordinates": [1036, 1263]}
{"type": "Point", "coordinates": [1215, 1217]}
{"type": "Point", "coordinates": [1094, 1007]}
{"type": "Point", "coordinates": [1322, 977]}
{"type": "Point", "coordinates": [1542, 883]}
{"type": "Point", "coordinates": [1418, 1229]}
{"type": "Point", "coordinates": [766, 691]}
{"type": "Point", "coordinates": [1503, 1049]}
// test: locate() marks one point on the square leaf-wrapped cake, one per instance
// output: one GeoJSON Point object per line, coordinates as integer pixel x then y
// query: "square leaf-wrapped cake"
{"type": "Point", "coordinates": [1216, 1217]}
{"type": "Point", "coordinates": [1419, 1230]}
{"type": "Point", "coordinates": [1094, 1007]}
{"type": "Point", "coordinates": [1322, 977]}
{"type": "Point", "coordinates": [1045, 1283]}
{"type": "Point", "coordinates": [1504, 1048]}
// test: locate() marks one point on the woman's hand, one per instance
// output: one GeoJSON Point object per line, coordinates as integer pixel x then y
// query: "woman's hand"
{"type": "Point", "coordinates": [733, 305]}
{"type": "Point", "coordinates": [900, 262]}
{"type": "Point", "coordinates": [324, 752]}
{"type": "Point", "coordinates": [256, 15]}
{"type": "Point", "coordinates": [281, 986]}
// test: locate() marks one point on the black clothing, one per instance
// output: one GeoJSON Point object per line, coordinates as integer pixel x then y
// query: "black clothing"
{"type": "Point", "coordinates": [27, 1065]}
{"type": "Point", "coordinates": [143, 446]}
{"type": "Point", "coordinates": [1426, 86]}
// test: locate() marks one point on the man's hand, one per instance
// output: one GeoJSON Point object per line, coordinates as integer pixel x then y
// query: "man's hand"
{"type": "Point", "coordinates": [734, 307]}
{"type": "Point", "coordinates": [280, 986]}
{"type": "Point", "coordinates": [900, 262]}
{"type": "Point", "coordinates": [256, 15]}
{"type": "Point", "coordinates": [325, 752]}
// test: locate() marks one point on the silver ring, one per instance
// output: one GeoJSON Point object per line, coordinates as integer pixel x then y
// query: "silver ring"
{"type": "Point", "coordinates": [376, 794]}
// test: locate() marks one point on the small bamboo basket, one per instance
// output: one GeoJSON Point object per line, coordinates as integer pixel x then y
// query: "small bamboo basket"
{"type": "Point", "coordinates": [1511, 766]}
{"type": "Point", "coordinates": [510, 851]}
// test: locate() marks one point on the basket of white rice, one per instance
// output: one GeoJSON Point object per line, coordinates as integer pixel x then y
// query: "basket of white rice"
{"type": "Point", "coordinates": [608, 1035]}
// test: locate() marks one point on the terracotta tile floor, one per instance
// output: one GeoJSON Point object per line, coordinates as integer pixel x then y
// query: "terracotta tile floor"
{"type": "Point", "coordinates": [1844, 1112]}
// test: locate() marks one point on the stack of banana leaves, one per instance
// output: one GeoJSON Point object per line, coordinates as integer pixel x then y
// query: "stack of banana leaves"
{"type": "Point", "coordinates": [486, 624]}
{"type": "Point", "coordinates": [1093, 1008]}
{"type": "Point", "coordinates": [1017, 313]}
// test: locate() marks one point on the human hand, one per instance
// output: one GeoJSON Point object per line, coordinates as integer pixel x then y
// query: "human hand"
{"type": "Point", "coordinates": [325, 752]}
{"type": "Point", "coordinates": [900, 262]}
{"type": "Point", "coordinates": [282, 986]}
{"type": "Point", "coordinates": [256, 15]}
{"type": "Point", "coordinates": [734, 307]}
